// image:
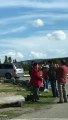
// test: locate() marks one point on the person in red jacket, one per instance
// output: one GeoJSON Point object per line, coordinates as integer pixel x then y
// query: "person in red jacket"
{"type": "Point", "coordinates": [45, 77]}
{"type": "Point", "coordinates": [36, 81]}
{"type": "Point", "coordinates": [61, 75]}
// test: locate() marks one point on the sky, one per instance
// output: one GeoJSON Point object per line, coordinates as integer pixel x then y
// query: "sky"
{"type": "Point", "coordinates": [33, 29]}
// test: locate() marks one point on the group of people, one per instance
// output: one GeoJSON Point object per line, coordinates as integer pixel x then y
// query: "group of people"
{"type": "Point", "coordinates": [53, 74]}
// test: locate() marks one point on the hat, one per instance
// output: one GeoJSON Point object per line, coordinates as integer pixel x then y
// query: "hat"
{"type": "Point", "coordinates": [47, 66]}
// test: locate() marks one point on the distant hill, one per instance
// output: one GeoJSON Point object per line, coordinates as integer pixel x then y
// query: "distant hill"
{"type": "Point", "coordinates": [44, 60]}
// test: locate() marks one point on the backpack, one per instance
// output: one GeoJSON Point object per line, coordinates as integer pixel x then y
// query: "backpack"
{"type": "Point", "coordinates": [29, 98]}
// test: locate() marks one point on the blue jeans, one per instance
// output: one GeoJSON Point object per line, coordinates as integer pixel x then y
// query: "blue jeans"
{"type": "Point", "coordinates": [46, 84]}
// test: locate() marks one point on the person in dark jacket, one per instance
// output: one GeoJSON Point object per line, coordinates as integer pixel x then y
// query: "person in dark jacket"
{"type": "Point", "coordinates": [52, 78]}
{"type": "Point", "coordinates": [36, 81]}
{"type": "Point", "coordinates": [61, 74]}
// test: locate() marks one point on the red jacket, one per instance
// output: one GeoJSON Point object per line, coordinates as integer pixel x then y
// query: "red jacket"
{"type": "Point", "coordinates": [36, 79]}
{"type": "Point", "coordinates": [44, 74]}
{"type": "Point", "coordinates": [61, 74]}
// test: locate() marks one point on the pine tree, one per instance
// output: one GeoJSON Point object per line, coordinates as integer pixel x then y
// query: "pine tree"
{"type": "Point", "coordinates": [6, 59]}
{"type": "Point", "coordinates": [9, 59]}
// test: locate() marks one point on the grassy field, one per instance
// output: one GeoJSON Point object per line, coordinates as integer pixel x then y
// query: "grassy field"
{"type": "Point", "coordinates": [7, 89]}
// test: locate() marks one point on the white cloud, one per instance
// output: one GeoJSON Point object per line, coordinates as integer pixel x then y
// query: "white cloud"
{"type": "Point", "coordinates": [54, 39]}
{"type": "Point", "coordinates": [11, 53]}
{"type": "Point", "coordinates": [14, 54]}
{"type": "Point", "coordinates": [56, 53]}
{"type": "Point", "coordinates": [47, 46]}
{"type": "Point", "coordinates": [44, 12]}
{"type": "Point", "coordinates": [57, 35]}
{"type": "Point", "coordinates": [38, 23]}
{"type": "Point", "coordinates": [48, 53]}
{"type": "Point", "coordinates": [20, 55]}
{"type": "Point", "coordinates": [33, 4]}
{"type": "Point", "coordinates": [14, 30]}
{"type": "Point", "coordinates": [37, 55]}
{"type": "Point", "coordinates": [50, 18]}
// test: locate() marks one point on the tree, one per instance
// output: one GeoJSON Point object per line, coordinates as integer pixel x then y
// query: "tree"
{"type": "Point", "coordinates": [6, 59]}
{"type": "Point", "coordinates": [9, 59]}
{"type": "Point", "coordinates": [14, 61]}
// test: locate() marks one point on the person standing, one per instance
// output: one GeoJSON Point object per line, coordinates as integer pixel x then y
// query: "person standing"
{"type": "Point", "coordinates": [36, 82]}
{"type": "Point", "coordinates": [52, 77]}
{"type": "Point", "coordinates": [45, 78]}
{"type": "Point", "coordinates": [61, 75]}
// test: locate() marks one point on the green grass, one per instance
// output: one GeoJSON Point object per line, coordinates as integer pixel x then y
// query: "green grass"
{"type": "Point", "coordinates": [46, 100]}
{"type": "Point", "coordinates": [10, 114]}
{"type": "Point", "coordinates": [26, 72]}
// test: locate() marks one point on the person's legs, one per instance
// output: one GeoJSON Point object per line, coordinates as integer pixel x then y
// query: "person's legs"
{"type": "Point", "coordinates": [57, 89]}
{"type": "Point", "coordinates": [44, 84]}
{"type": "Point", "coordinates": [56, 92]}
{"type": "Point", "coordinates": [47, 82]}
{"type": "Point", "coordinates": [35, 94]}
{"type": "Point", "coordinates": [60, 93]}
{"type": "Point", "coordinates": [53, 87]}
{"type": "Point", "coordinates": [64, 93]}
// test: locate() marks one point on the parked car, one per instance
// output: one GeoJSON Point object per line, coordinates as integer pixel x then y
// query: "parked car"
{"type": "Point", "coordinates": [10, 70]}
